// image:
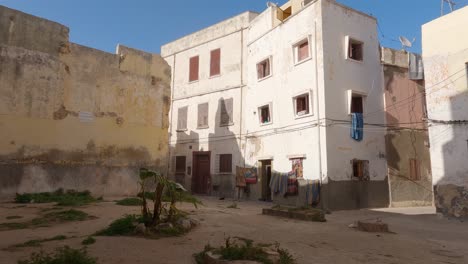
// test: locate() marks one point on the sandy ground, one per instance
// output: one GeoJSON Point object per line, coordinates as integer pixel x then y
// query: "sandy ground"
{"type": "Point", "coordinates": [420, 236]}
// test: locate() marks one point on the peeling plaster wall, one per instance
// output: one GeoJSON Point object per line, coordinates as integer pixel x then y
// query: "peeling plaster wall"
{"type": "Point", "coordinates": [76, 117]}
{"type": "Point", "coordinates": [408, 138]}
{"type": "Point", "coordinates": [340, 75]}
{"type": "Point", "coordinates": [445, 56]}
{"type": "Point", "coordinates": [230, 37]}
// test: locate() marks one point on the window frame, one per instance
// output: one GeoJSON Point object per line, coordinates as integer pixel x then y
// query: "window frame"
{"type": "Point", "coordinates": [295, 48]}
{"type": "Point", "coordinates": [220, 163]}
{"type": "Point", "coordinates": [353, 93]}
{"type": "Point", "coordinates": [231, 118]}
{"type": "Point", "coordinates": [348, 42]}
{"type": "Point", "coordinates": [309, 104]}
{"type": "Point", "coordinates": [185, 164]}
{"type": "Point", "coordinates": [219, 63]}
{"type": "Point", "coordinates": [270, 60]}
{"type": "Point", "coordinates": [207, 125]}
{"type": "Point", "coordinates": [364, 164]}
{"type": "Point", "coordinates": [178, 129]}
{"type": "Point", "coordinates": [270, 112]}
{"type": "Point", "coordinates": [190, 69]}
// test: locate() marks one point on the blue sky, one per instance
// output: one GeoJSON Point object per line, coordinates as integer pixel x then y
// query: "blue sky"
{"type": "Point", "coordinates": [147, 24]}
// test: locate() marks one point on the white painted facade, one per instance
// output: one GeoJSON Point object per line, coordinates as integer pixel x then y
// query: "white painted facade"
{"type": "Point", "coordinates": [445, 54]}
{"type": "Point", "coordinates": [327, 76]}
{"type": "Point", "coordinates": [229, 37]}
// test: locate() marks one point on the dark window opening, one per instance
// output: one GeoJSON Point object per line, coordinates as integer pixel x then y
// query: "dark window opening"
{"type": "Point", "coordinates": [302, 105]}
{"type": "Point", "coordinates": [265, 114]}
{"type": "Point", "coordinates": [180, 164]}
{"type": "Point", "coordinates": [357, 104]}
{"type": "Point", "coordinates": [355, 50]}
{"type": "Point", "coordinates": [361, 169]}
{"type": "Point", "coordinates": [263, 69]}
{"type": "Point", "coordinates": [193, 68]}
{"type": "Point", "coordinates": [225, 163]}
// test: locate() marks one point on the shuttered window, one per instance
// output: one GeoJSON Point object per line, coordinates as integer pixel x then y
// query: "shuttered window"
{"type": "Point", "coordinates": [180, 164]}
{"type": "Point", "coordinates": [193, 68]}
{"type": "Point", "coordinates": [303, 51]}
{"type": "Point", "coordinates": [263, 69]}
{"type": "Point", "coordinates": [182, 118]}
{"type": "Point", "coordinates": [215, 62]}
{"type": "Point", "coordinates": [361, 169]}
{"type": "Point", "coordinates": [415, 170]}
{"type": "Point", "coordinates": [203, 115]}
{"type": "Point", "coordinates": [226, 106]}
{"type": "Point", "coordinates": [225, 163]}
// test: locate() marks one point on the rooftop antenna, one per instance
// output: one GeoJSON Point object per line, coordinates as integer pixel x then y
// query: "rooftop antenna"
{"type": "Point", "coordinates": [405, 43]}
{"type": "Point", "coordinates": [449, 2]}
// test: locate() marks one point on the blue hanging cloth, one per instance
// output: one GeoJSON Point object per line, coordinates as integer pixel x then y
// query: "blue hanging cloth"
{"type": "Point", "coordinates": [357, 126]}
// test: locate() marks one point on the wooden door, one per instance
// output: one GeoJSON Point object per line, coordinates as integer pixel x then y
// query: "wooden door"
{"type": "Point", "coordinates": [201, 172]}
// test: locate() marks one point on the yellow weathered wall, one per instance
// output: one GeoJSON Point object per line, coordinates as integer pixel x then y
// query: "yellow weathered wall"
{"type": "Point", "coordinates": [47, 83]}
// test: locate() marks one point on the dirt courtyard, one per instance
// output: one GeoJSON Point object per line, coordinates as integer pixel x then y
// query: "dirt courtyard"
{"type": "Point", "coordinates": [420, 236]}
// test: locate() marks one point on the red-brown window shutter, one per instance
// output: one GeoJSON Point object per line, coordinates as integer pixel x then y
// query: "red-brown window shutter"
{"type": "Point", "coordinates": [225, 163]}
{"type": "Point", "coordinates": [303, 51]}
{"type": "Point", "coordinates": [193, 71]}
{"type": "Point", "coordinates": [215, 62]}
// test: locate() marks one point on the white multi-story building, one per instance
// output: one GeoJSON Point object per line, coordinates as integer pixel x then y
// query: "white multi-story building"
{"type": "Point", "coordinates": [445, 54]}
{"type": "Point", "coordinates": [291, 80]}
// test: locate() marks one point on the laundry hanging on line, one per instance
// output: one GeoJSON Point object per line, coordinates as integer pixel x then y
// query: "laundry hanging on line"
{"type": "Point", "coordinates": [357, 126]}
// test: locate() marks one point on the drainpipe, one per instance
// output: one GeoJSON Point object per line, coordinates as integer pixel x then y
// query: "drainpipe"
{"type": "Point", "coordinates": [318, 115]}
{"type": "Point", "coordinates": [172, 113]}
{"type": "Point", "coordinates": [242, 93]}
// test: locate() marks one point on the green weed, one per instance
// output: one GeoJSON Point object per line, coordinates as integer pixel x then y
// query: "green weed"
{"type": "Point", "coordinates": [130, 202]}
{"type": "Point", "coordinates": [38, 242]}
{"type": "Point", "coordinates": [88, 241]}
{"type": "Point", "coordinates": [65, 255]}
{"type": "Point", "coordinates": [61, 197]}
{"type": "Point", "coordinates": [120, 227]}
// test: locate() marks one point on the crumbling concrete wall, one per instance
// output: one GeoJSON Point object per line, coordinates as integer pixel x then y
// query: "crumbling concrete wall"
{"type": "Point", "coordinates": [76, 117]}
{"type": "Point", "coordinates": [446, 70]}
{"type": "Point", "coordinates": [407, 135]}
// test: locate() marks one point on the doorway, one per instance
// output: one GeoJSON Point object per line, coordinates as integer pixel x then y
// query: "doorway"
{"type": "Point", "coordinates": [265, 180]}
{"type": "Point", "coordinates": [201, 172]}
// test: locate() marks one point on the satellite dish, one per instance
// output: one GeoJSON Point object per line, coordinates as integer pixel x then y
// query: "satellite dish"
{"type": "Point", "coordinates": [271, 4]}
{"type": "Point", "coordinates": [406, 43]}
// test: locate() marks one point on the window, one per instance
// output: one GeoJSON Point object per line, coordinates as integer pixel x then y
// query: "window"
{"type": "Point", "coordinates": [415, 170]}
{"type": "Point", "coordinates": [361, 169]}
{"type": "Point", "coordinates": [301, 51]}
{"type": "Point", "coordinates": [182, 118]}
{"type": "Point", "coordinates": [225, 163]}
{"type": "Point", "coordinates": [215, 62]}
{"type": "Point", "coordinates": [356, 102]}
{"type": "Point", "coordinates": [193, 68]}
{"type": "Point", "coordinates": [355, 50]}
{"type": "Point", "coordinates": [265, 114]}
{"type": "Point", "coordinates": [301, 105]}
{"type": "Point", "coordinates": [180, 164]}
{"type": "Point", "coordinates": [263, 69]}
{"type": "Point", "coordinates": [202, 116]}
{"type": "Point", "coordinates": [225, 106]}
